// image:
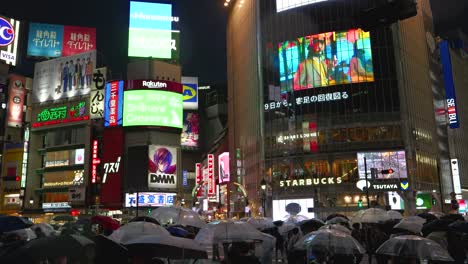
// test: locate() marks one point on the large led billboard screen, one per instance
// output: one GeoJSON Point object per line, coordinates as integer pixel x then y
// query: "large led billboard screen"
{"type": "Point", "coordinates": [282, 208]}
{"type": "Point", "coordinates": [325, 59]}
{"type": "Point", "coordinates": [383, 160]}
{"type": "Point", "coordinates": [190, 131]}
{"type": "Point", "coordinates": [152, 108]}
{"type": "Point", "coordinates": [162, 167]}
{"type": "Point", "coordinates": [150, 31]}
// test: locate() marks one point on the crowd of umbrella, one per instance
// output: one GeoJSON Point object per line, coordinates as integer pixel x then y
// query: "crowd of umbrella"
{"type": "Point", "coordinates": [178, 235]}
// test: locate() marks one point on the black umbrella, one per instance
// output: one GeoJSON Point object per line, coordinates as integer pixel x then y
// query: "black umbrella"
{"type": "Point", "coordinates": [336, 215]}
{"type": "Point", "coordinates": [145, 219]}
{"type": "Point", "coordinates": [11, 223]}
{"type": "Point", "coordinates": [453, 217]}
{"type": "Point", "coordinates": [310, 225]}
{"type": "Point", "coordinates": [459, 226]}
{"type": "Point", "coordinates": [429, 217]}
{"type": "Point", "coordinates": [65, 218]}
{"type": "Point", "coordinates": [109, 251]}
{"type": "Point", "coordinates": [435, 226]}
{"type": "Point", "coordinates": [278, 223]}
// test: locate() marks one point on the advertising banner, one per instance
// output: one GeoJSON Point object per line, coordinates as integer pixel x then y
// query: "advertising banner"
{"type": "Point", "coordinates": [149, 199]}
{"type": "Point", "coordinates": [190, 131]}
{"type": "Point", "coordinates": [113, 105]}
{"type": "Point", "coordinates": [326, 59]}
{"type": "Point", "coordinates": [63, 158]}
{"type": "Point", "coordinates": [211, 176]}
{"type": "Point", "coordinates": [284, 208]}
{"type": "Point", "coordinates": [45, 40]}
{"type": "Point", "coordinates": [9, 35]}
{"type": "Point", "coordinates": [63, 78]}
{"type": "Point", "coordinates": [384, 160]}
{"type": "Point", "coordinates": [223, 167]}
{"type": "Point", "coordinates": [72, 112]}
{"type": "Point", "coordinates": [96, 104]}
{"type": "Point", "coordinates": [190, 92]}
{"type": "Point", "coordinates": [113, 149]}
{"type": "Point", "coordinates": [149, 84]}
{"type": "Point", "coordinates": [78, 40]}
{"type": "Point", "coordinates": [162, 167]}
{"type": "Point", "coordinates": [452, 112]}
{"type": "Point", "coordinates": [152, 108]}
{"type": "Point", "coordinates": [16, 100]}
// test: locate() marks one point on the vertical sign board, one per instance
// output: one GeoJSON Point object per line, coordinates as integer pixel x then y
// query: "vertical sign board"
{"type": "Point", "coordinates": [113, 149]}
{"type": "Point", "coordinates": [96, 105]}
{"type": "Point", "coordinates": [211, 179]}
{"type": "Point", "coordinates": [113, 105]}
{"type": "Point", "coordinates": [190, 92]}
{"type": "Point", "coordinates": [449, 85]}
{"type": "Point", "coordinates": [198, 179]}
{"type": "Point", "coordinates": [9, 35]}
{"type": "Point", "coordinates": [16, 100]}
{"type": "Point", "coordinates": [455, 176]}
{"type": "Point", "coordinates": [94, 161]}
{"type": "Point", "coordinates": [223, 166]}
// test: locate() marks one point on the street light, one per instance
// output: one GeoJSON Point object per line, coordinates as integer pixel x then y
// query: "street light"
{"type": "Point", "coordinates": [263, 186]}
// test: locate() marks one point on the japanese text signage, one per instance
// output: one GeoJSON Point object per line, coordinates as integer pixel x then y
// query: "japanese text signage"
{"type": "Point", "coordinates": [211, 179]}
{"type": "Point", "coordinates": [198, 179]}
{"type": "Point", "coordinates": [47, 40]}
{"type": "Point", "coordinates": [96, 104]}
{"type": "Point", "coordinates": [112, 154]}
{"type": "Point", "coordinates": [305, 100]}
{"type": "Point", "coordinates": [61, 114]}
{"type": "Point", "coordinates": [113, 105]}
{"type": "Point", "coordinates": [16, 100]}
{"type": "Point", "coordinates": [94, 161]}
{"type": "Point", "coordinates": [149, 199]}
{"type": "Point", "coordinates": [452, 112]}
{"type": "Point", "coordinates": [162, 167]}
{"type": "Point", "coordinates": [9, 35]}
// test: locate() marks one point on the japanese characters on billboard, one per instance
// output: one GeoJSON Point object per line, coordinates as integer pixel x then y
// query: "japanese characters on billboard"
{"type": "Point", "coordinates": [9, 36]}
{"type": "Point", "coordinates": [162, 167]}
{"type": "Point", "coordinates": [67, 113]}
{"type": "Point", "coordinates": [326, 59]}
{"type": "Point", "coordinates": [113, 104]}
{"type": "Point", "coordinates": [16, 100]}
{"type": "Point", "coordinates": [149, 199]}
{"type": "Point", "coordinates": [190, 130]}
{"type": "Point", "coordinates": [63, 78]}
{"type": "Point", "coordinates": [211, 177]}
{"type": "Point", "coordinates": [223, 167]}
{"type": "Point", "coordinates": [190, 92]}
{"type": "Point", "coordinates": [113, 149]}
{"type": "Point", "coordinates": [48, 40]}
{"type": "Point", "coordinates": [96, 104]}
{"type": "Point", "coordinates": [150, 31]}
{"type": "Point", "coordinates": [383, 160]}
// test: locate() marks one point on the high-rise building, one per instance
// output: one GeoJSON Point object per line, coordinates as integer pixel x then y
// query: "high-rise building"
{"type": "Point", "coordinates": [324, 103]}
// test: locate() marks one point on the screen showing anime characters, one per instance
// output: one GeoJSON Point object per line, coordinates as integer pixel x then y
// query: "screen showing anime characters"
{"type": "Point", "coordinates": [190, 134]}
{"type": "Point", "coordinates": [325, 59]}
{"type": "Point", "coordinates": [162, 167]}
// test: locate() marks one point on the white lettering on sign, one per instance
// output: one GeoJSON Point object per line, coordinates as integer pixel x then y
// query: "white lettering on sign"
{"type": "Point", "coordinates": [151, 84]}
{"type": "Point", "coordinates": [309, 182]}
{"type": "Point", "coordinates": [385, 186]}
{"type": "Point", "coordinates": [328, 97]}
{"type": "Point", "coordinates": [452, 111]}
{"type": "Point", "coordinates": [111, 167]}
{"type": "Point", "coordinates": [7, 56]}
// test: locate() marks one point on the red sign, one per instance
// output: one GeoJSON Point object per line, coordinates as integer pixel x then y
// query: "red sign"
{"type": "Point", "coordinates": [94, 161]}
{"type": "Point", "coordinates": [154, 85]}
{"type": "Point", "coordinates": [113, 149]}
{"type": "Point", "coordinates": [60, 121]}
{"type": "Point", "coordinates": [198, 179]}
{"type": "Point", "coordinates": [78, 40]}
{"type": "Point", "coordinates": [16, 100]}
{"type": "Point", "coordinates": [211, 179]}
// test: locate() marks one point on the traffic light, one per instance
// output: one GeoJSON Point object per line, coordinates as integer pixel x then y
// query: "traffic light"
{"type": "Point", "coordinates": [389, 171]}
{"type": "Point", "coordinates": [74, 212]}
{"type": "Point", "coordinates": [359, 203]}
{"type": "Point", "coordinates": [434, 201]}
{"type": "Point", "coordinates": [11, 178]}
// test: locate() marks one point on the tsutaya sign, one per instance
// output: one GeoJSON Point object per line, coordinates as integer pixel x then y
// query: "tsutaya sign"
{"type": "Point", "coordinates": [311, 182]}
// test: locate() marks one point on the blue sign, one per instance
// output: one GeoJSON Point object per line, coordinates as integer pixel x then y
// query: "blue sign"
{"type": "Point", "coordinates": [190, 92]}
{"type": "Point", "coordinates": [184, 178]}
{"type": "Point", "coordinates": [113, 104]}
{"type": "Point", "coordinates": [150, 15]}
{"type": "Point", "coordinates": [452, 112]}
{"type": "Point", "coordinates": [7, 32]}
{"type": "Point", "coordinates": [149, 199]}
{"type": "Point", "coordinates": [45, 40]}
{"type": "Point", "coordinates": [404, 185]}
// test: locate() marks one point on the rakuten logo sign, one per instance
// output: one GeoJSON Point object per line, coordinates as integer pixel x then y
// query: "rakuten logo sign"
{"type": "Point", "coordinates": [152, 84]}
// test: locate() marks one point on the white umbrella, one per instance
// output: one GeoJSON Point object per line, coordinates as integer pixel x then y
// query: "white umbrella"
{"type": "Point", "coordinates": [415, 219]}
{"type": "Point", "coordinates": [338, 227]}
{"type": "Point", "coordinates": [334, 241]}
{"type": "Point", "coordinates": [25, 234]}
{"type": "Point", "coordinates": [261, 222]}
{"type": "Point", "coordinates": [413, 226]}
{"type": "Point", "coordinates": [177, 216]}
{"type": "Point", "coordinates": [371, 215]}
{"type": "Point", "coordinates": [135, 230]}
{"type": "Point", "coordinates": [219, 231]}
{"type": "Point", "coordinates": [394, 215]}
{"type": "Point", "coordinates": [47, 229]}
{"type": "Point", "coordinates": [337, 220]}
{"type": "Point", "coordinates": [294, 219]}
{"type": "Point", "coordinates": [414, 247]}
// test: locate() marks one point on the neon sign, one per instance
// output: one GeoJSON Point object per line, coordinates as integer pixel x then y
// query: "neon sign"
{"type": "Point", "coordinates": [60, 115]}
{"type": "Point", "coordinates": [95, 162]}
{"type": "Point", "coordinates": [211, 183]}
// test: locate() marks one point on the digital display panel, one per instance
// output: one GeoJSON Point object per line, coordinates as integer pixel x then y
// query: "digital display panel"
{"type": "Point", "coordinates": [384, 160]}
{"type": "Point", "coordinates": [282, 5]}
{"type": "Point", "coordinates": [326, 59]}
{"type": "Point", "coordinates": [190, 131]}
{"type": "Point", "coordinates": [281, 213]}
{"type": "Point", "coordinates": [152, 108]}
{"type": "Point", "coordinates": [64, 158]}
{"type": "Point", "coordinates": [162, 167]}
{"type": "Point", "coordinates": [150, 31]}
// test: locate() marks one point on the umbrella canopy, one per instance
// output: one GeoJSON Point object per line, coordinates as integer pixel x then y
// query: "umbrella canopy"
{"type": "Point", "coordinates": [166, 247]}
{"type": "Point", "coordinates": [337, 220]}
{"type": "Point", "coordinates": [394, 214]}
{"type": "Point", "coordinates": [25, 234]}
{"type": "Point", "coordinates": [336, 215]}
{"type": "Point", "coordinates": [437, 214]}
{"type": "Point", "coordinates": [107, 222]}
{"type": "Point", "coordinates": [65, 218]}
{"type": "Point", "coordinates": [44, 228]}
{"type": "Point", "coordinates": [336, 242]}
{"type": "Point", "coordinates": [414, 247]}
{"type": "Point", "coordinates": [453, 217]}
{"type": "Point", "coordinates": [285, 228]}
{"type": "Point", "coordinates": [109, 251]}
{"type": "Point", "coordinates": [144, 219]}
{"type": "Point", "coordinates": [177, 231]}
{"type": "Point", "coordinates": [310, 225]}
{"type": "Point", "coordinates": [177, 216]}
{"type": "Point", "coordinates": [261, 222]}
{"type": "Point", "coordinates": [459, 226]}
{"type": "Point", "coordinates": [371, 215]}
{"type": "Point", "coordinates": [216, 232]}
{"type": "Point", "coordinates": [295, 219]}
{"type": "Point", "coordinates": [134, 230]}
{"type": "Point", "coordinates": [10, 223]}
{"type": "Point", "coordinates": [411, 224]}
{"type": "Point", "coordinates": [436, 226]}
{"type": "Point", "coordinates": [337, 227]}
{"type": "Point", "coordinates": [429, 217]}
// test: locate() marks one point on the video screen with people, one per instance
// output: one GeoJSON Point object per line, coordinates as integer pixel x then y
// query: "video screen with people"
{"type": "Point", "coordinates": [325, 59]}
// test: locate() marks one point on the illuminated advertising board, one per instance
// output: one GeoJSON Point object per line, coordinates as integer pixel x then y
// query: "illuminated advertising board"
{"type": "Point", "coordinates": [162, 167]}
{"type": "Point", "coordinates": [326, 59]}
{"type": "Point", "coordinates": [97, 96]}
{"type": "Point", "coordinates": [383, 160]}
{"type": "Point", "coordinates": [16, 96]}
{"type": "Point", "coordinates": [211, 177]}
{"type": "Point", "coordinates": [113, 149]}
{"type": "Point", "coordinates": [190, 131]}
{"type": "Point", "coordinates": [282, 5]}
{"type": "Point", "coordinates": [452, 113]}
{"type": "Point", "coordinates": [63, 178]}
{"type": "Point", "coordinates": [94, 160]}
{"type": "Point", "coordinates": [9, 35]}
{"type": "Point", "coordinates": [455, 176]}
{"type": "Point", "coordinates": [190, 92]}
{"type": "Point", "coordinates": [64, 158]}
{"type": "Point", "coordinates": [113, 105]}
{"type": "Point", "coordinates": [152, 108]}
{"type": "Point", "coordinates": [61, 114]}
{"type": "Point", "coordinates": [149, 199]}
{"type": "Point", "coordinates": [48, 40]}
{"type": "Point", "coordinates": [280, 208]}
{"type": "Point", "coordinates": [150, 31]}
{"type": "Point", "coordinates": [64, 77]}
{"type": "Point", "coordinates": [223, 167]}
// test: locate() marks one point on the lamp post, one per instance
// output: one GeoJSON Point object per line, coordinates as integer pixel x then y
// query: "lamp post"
{"type": "Point", "coordinates": [263, 185]}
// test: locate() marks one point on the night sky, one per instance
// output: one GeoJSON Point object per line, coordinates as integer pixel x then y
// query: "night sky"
{"type": "Point", "coordinates": [202, 24]}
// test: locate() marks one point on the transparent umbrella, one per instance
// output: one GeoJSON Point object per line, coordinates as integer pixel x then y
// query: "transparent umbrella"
{"type": "Point", "coordinates": [47, 229]}
{"type": "Point", "coordinates": [261, 222]}
{"type": "Point", "coordinates": [134, 230]}
{"type": "Point", "coordinates": [294, 219]}
{"type": "Point", "coordinates": [216, 232]}
{"type": "Point", "coordinates": [371, 215]}
{"type": "Point", "coordinates": [337, 227]}
{"type": "Point", "coordinates": [334, 241]}
{"type": "Point", "coordinates": [415, 247]}
{"type": "Point", "coordinates": [413, 224]}
{"type": "Point", "coordinates": [394, 215]}
{"type": "Point", "coordinates": [337, 220]}
{"type": "Point", "coordinates": [177, 216]}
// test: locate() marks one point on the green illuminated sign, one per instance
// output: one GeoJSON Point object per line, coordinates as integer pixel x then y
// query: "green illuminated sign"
{"type": "Point", "coordinates": [152, 108]}
{"type": "Point", "coordinates": [56, 113]}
